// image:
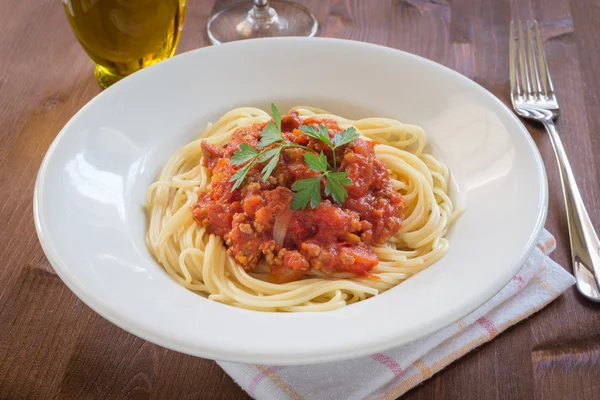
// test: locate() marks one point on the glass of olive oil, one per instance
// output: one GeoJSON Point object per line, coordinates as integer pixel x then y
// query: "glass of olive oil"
{"type": "Point", "coordinates": [124, 36]}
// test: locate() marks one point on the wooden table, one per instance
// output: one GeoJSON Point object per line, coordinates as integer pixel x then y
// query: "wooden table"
{"type": "Point", "coordinates": [53, 346]}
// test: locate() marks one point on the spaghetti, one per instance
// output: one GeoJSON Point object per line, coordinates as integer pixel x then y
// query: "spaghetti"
{"type": "Point", "coordinates": [198, 260]}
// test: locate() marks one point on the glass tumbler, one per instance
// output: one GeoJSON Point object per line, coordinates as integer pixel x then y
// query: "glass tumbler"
{"type": "Point", "coordinates": [124, 36]}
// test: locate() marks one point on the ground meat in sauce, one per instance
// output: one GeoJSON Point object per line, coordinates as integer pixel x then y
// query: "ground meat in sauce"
{"type": "Point", "coordinates": [332, 238]}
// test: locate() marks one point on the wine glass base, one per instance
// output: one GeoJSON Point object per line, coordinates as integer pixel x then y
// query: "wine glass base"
{"type": "Point", "coordinates": [279, 18]}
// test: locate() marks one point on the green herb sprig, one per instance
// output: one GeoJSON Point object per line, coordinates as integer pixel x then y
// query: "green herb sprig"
{"type": "Point", "coordinates": [271, 134]}
{"type": "Point", "coordinates": [308, 191]}
{"type": "Point", "coordinates": [321, 132]}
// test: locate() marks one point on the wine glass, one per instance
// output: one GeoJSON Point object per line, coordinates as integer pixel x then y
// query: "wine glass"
{"type": "Point", "coordinates": [265, 19]}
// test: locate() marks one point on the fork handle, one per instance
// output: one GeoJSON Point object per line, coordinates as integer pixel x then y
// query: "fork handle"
{"type": "Point", "coordinates": [585, 245]}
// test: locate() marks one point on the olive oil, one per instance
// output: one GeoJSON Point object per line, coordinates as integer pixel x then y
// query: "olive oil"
{"type": "Point", "coordinates": [123, 36]}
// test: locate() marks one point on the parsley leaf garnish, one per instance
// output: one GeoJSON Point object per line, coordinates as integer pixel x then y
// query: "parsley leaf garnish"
{"type": "Point", "coordinates": [334, 187]}
{"type": "Point", "coordinates": [266, 155]}
{"type": "Point", "coordinates": [245, 154]}
{"type": "Point", "coordinates": [307, 191]}
{"type": "Point", "coordinates": [276, 116]}
{"type": "Point", "coordinates": [270, 135]}
{"type": "Point", "coordinates": [345, 137]}
{"type": "Point", "coordinates": [310, 189]}
{"type": "Point", "coordinates": [334, 180]}
{"type": "Point", "coordinates": [321, 132]}
{"type": "Point", "coordinates": [272, 132]}
{"type": "Point", "coordinates": [268, 169]}
{"type": "Point", "coordinates": [240, 175]}
{"type": "Point", "coordinates": [315, 163]}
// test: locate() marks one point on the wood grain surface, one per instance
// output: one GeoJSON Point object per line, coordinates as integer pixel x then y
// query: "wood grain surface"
{"type": "Point", "coordinates": [53, 346]}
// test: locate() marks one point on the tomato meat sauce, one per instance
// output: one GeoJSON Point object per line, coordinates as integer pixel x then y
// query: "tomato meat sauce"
{"type": "Point", "coordinates": [256, 220]}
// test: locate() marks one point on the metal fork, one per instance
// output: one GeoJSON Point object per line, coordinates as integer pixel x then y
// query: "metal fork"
{"type": "Point", "coordinates": [533, 97]}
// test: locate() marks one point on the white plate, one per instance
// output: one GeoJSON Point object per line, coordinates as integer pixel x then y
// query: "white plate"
{"type": "Point", "coordinates": [91, 187]}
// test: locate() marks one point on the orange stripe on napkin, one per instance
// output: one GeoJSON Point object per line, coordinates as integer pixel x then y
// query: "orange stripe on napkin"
{"type": "Point", "coordinates": [260, 376]}
{"type": "Point", "coordinates": [547, 245]}
{"type": "Point", "coordinates": [279, 382]}
{"type": "Point", "coordinates": [545, 285]}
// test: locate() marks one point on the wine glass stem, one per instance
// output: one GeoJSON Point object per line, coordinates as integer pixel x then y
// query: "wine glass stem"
{"type": "Point", "coordinates": [262, 14]}
{"type": "Point", "coordinates": [261, 9]}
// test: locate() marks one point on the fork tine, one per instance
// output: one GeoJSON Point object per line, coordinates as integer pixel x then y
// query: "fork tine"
{"type": "Point", "coordinates": [533, 63]}
{"type": "Point", "coordinates": [523, 67]}
{"type": "Point", "coordinates": [515, 89]}
{"type": "Point", "coordinates": [545, 74]}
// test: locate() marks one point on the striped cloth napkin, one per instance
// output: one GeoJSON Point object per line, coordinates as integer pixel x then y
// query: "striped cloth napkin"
{"type": "Point", "coordinates": [390, 374]}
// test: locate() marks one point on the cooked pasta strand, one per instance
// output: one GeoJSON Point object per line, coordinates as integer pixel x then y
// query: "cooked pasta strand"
{"type": "Point", "coordinates": [198, 260]}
